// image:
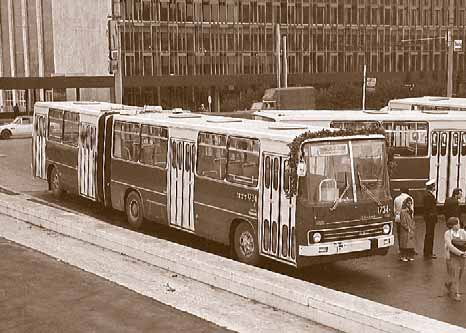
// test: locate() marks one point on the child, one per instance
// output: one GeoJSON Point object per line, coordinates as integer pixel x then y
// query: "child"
{"type": "Point", "coordinates": [455, 258]}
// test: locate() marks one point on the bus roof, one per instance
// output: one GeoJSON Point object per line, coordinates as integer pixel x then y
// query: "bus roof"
{"type": "Point", "coordinates": [228, 125]}
{"type": "Point", "coordinates": [428, 102]}
{"type": "Point", "coordinates": [91, 108]}
{"type": "Point", "coordinates": [219, 124]}
{"type": "Point", "coordinates": [359, 115]}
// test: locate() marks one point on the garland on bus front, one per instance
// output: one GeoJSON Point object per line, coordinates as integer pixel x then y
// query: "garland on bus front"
{"type": "Point", "coordinates": [295, 147]}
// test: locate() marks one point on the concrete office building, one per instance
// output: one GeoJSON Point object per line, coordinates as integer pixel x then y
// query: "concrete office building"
{"type": "Point", "coordinates": [179, 52]}
{"type": "Point", "coordinates": [43, 38]}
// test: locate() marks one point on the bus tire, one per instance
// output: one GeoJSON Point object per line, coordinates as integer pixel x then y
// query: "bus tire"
{"type": "Point", "coordinates": [55, 183]}
{"type": "Point", "coordinates": [134, 211]}
{"type": "Point", "coordinates": [6, 134]}
{"type": "Point", "coordinates": [245, 244]}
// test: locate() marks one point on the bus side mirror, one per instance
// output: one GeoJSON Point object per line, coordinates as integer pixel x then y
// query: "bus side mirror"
{"type": "Point", "coordinates": [301, 169]}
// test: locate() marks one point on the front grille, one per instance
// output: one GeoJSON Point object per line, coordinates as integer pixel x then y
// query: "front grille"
{"type": "Point", "coordinates": [355, 232]}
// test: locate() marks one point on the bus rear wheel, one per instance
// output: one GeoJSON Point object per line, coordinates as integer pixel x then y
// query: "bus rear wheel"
{"type": "Point", "coordinates": [245, 244]}
{"type": "Point", "coordinates": [55, 183]}
{"type": "Point", "coordinates": [134, 211]}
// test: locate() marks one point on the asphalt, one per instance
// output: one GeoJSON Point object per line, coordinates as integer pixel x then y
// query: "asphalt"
{"type": "Point", "coordinates": [41, 294]}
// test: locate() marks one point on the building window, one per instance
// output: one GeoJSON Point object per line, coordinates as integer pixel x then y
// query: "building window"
{"type": "Point", "coordinates": [8, 100]}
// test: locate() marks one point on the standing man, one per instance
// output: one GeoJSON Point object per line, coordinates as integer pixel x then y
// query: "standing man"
{"type": "Point", "coordinates": [430, 218]}
{"type": "Point", "coordinates": [452, 206]}
{"type": "Point", "coordinates": [397, 204]}
{"type": "Point", "coordinates": [16, 110]}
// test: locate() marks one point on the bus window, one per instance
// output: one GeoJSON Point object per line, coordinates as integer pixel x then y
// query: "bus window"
{"type": "Point", "coordinates": [267, 172]}
{"type": "Point", "coordinates": [243, 161]}
{"type": "Point", "coordinates": [212, 155]}
{"type": "Point", "coordinates": [154, 145]}
{"type": "Point", "coordinates": [276, 173]}
{"type": "Point", "coordinates": [355, 125]}
{"type": "Point", "coordinates": [407, 138]}
{"type": "Point", "coordinates": [55, 125]}
{"type": "Point", "coordinates": [71, 128]}
{"type": "Point", "coordinates": [126, 141]}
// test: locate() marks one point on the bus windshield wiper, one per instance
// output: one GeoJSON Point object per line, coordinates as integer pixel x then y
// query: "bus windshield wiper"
{"type": "Point", "coordinates": [369, 192]}
{"type": "Point", "coordinates": [338, 200]}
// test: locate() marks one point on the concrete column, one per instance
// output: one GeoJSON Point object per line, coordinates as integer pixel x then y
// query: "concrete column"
{"type": "Point", "coordinates": [40, 43]}
{"type": "Point", "coordinates": [24, 26]}
{"type": "Point", "coordinates": [1, 68]}
{"type": "Point", "coordinates": [11, 41]}
{"type": "Point", "coordinates": [217, 100]}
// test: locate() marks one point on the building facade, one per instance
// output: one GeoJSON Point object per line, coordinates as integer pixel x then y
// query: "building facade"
{"type": "Point", "coordinates": [44, 38]}
{"type": "Point", "coordinates": [179, 52]}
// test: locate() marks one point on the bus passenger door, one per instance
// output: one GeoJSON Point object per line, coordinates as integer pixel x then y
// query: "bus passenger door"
{"type": "Point", "coordinates": [439, 162]}
{"type": "Point", "coordinates": [181, 184]}
{"type": "Point", "coordinates": [462, 164]}
{"type": "Point", "coordinates": [453, 162]}
{"type": "Point", "coordinates": [38, 146]}
{"type": "Point", "coordinates": [87, 160]}
{"type": "Point", "coordinates": [277, 219]}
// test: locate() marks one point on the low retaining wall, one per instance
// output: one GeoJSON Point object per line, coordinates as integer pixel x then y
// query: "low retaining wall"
{"type": "Point", "coordinates": [329, 307]}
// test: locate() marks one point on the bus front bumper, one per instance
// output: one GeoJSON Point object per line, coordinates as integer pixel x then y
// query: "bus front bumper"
{"type": "Point", "coordinates": [331, 248]}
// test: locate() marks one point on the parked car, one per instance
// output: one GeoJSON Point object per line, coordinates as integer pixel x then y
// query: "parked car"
{"type": "Point", "coordinates": [20, 127]}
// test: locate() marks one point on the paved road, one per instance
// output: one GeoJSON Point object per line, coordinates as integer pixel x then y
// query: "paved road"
{"type": "Point", "coordinates": [415, 286]}
{"type": "Point", "coordinates": [41, 294]}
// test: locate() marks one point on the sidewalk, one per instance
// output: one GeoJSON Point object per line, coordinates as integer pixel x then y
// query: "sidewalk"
{"type": "Point", "coordinates": [55, 293]}
{"type": "Point", "coordinates": [41, 294]}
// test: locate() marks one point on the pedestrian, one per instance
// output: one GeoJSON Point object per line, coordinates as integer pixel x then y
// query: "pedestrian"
{"type": "Point", "coordinates": [451, 208]}
{"type": "Point", "coordinates": [397, 204]}
{"type": "Point", "coordinates": [455, 257]}
{"type": "Point", "coordinates": [16, 110]}
{"type": "Point", "coordinates": [430, 219]}
{"type": "Point", "coordinates": [407, 227]}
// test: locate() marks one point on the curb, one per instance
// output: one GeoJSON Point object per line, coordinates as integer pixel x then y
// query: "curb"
{"type": "Point", "coordinates": [319, 304]}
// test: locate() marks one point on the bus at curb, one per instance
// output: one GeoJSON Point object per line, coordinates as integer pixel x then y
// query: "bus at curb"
{"type": "Point", "coordinates": [425, 144]}
{"type": "Point", "coordinates": [299, 195]}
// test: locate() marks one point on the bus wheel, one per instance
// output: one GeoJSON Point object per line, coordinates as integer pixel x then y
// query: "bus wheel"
{"type": "Point", "coordinates": [245, 244]}
{"type": "Point", "coordinates": [134, 211]}
{"type": "Point", "coordinates": [6, 134]}
{"type": "Point", "coordinates": [55, 183]}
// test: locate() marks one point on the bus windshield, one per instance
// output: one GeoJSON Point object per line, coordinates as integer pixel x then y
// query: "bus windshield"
{"type": "Point", "coordinates": [333, 177]}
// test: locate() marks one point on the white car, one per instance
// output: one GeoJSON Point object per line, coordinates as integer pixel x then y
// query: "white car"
{"type": "Point", "coordinates": [20, 127]}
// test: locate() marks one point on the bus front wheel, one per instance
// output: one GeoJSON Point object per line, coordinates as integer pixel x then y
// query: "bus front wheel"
{"type": "Point", "coordinates": [134, 211]}
{"type": "Point", "coordinates": [245, 244]}
{"type": "Point", "coordinates": [55, 183]}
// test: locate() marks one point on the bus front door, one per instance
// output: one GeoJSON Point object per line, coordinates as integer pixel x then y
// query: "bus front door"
{"type": "Point", "coordinates": [277, 230]}
{"type": "Point", "coordinates": [38, 146]}
{"type": "Point", "coordinates": [87, 160]}
{"type": "Point", "coordinates": [181, 184]}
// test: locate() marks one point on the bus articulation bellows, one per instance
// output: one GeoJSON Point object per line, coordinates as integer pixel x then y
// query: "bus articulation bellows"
{"type": "Point", "coordinates": [233, 181]}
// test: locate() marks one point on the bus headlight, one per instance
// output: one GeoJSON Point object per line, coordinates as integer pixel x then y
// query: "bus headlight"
{"type": "Point", "coordinates": [386, 229]}
{"type": "Point", "coordinates": [316, 237]}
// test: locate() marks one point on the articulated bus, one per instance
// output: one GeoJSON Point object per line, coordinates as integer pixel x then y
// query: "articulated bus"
{"type": "Point", "coordinates": [425, 144]}
{"type": "Point", "coordinates": [230, 180]}
{"type": "Point", "coordinates": [428, 103]}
